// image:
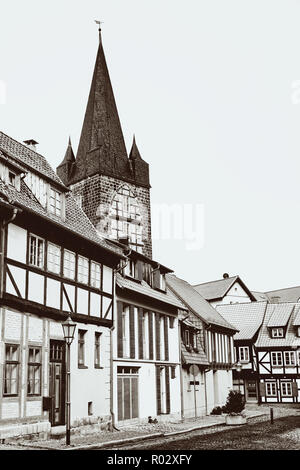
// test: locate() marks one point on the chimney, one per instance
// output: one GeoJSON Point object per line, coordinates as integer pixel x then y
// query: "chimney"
{"type": "Point", "coordinates": [225, 276]}
{"type": "Point", "coordinates": [31, 144]}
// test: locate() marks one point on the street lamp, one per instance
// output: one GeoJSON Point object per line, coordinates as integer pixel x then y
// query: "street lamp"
{"type": "Point", "coordinates": [68, 329]}
{"type": "Point", "coordinates": [238, 368]}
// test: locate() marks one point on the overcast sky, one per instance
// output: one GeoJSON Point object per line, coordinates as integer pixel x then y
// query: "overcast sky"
{"type": "Point", "coordinates": [211, 90]}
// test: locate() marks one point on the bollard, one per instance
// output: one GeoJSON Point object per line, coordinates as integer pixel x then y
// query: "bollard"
{"type": "Point", "coordinates": [271, 415]}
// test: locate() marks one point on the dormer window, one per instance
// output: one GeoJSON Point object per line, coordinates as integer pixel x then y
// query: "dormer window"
{"type": "Point", "coordinates": [244, 353]}
{"type": "Point", "coordinates": [277, 333]}
{"type": "Point", "coordinates": [12, 178]}
{"type": "Point", "coordinates": [55, 202]}
{"type": "Point", "coordinates": [129, 269]}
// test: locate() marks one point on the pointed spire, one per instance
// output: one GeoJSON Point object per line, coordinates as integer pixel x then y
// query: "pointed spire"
{"type": "Point", "coordinates": [101, 146]}
{"type": "Point", "coordinates": [134, 152]}
{"type": "Point", "coordinates": [69, 155]}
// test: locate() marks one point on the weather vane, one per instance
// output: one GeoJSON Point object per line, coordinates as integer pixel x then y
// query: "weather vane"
{"type": "Point", "coordinates": [99, 23]}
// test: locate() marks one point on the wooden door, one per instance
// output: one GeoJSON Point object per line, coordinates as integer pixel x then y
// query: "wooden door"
{"type": "Point", "coordinates": [128, 403]}
{"type": "Point", "coordinates": [57, 382]}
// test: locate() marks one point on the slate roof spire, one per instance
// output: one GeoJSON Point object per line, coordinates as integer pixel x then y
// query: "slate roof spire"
{"type": "Point", "coordinates": [101, 148]}
{"type": "Point", "coordinates": [65, 168]}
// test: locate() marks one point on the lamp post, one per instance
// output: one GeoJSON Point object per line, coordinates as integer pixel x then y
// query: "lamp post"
{"type": "Point", "coordinates": [68, 329]}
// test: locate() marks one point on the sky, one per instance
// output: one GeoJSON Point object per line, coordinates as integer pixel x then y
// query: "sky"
{"type": "Point", "coordinates": [211, 90]}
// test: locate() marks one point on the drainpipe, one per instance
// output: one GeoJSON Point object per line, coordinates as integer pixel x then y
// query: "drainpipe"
{"type": "Point", "coordinates": [4, 224]}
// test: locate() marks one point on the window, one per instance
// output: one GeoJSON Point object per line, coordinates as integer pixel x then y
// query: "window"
{"type": "Point", "coordinates": [129, 269]}
{"type": "Point", "coordinates": [271, 389]}
{"type": "Point", "coordinates": [34, 372]}
{"type": "Point", "coordinates": [147, 273]}
{"type": "Point", "coordinates": [277, 332]}
{"type": "Point", "coordinates": [12, 178]}
{"type": "Point", "coordinates": [187, 337]}
{"type": "Point", "coordinates": [126, 217]}
{"type": "Point", "coordinates": [78, 198]}
{"type": "Point", "coordinates": [81, 347]}
{"type": "Point", "coordinates": [11, 370]}
{"type": "Point", "coordinates": [298, 331]}
{"type": "Point", "coordinates": [83, 270]}
{"type": "Point", "coordinates": [53, 258]}
{"type": "Point", "coordinates": [95, 275]}
{"type": "Point", "coordinates": [289, 358]}
{"type": "Point", "coordinates": [69, 264]}
{"type": "Point", "coordinates": [126, 332]}
{"type": "Point", "coordinates": [97, 350]}
{"type": "Point", "coordinates": [244, 353]}
{"type": "Point", "coordinates": [36, 251]}
{"type": "Point", "coordinates": [55, 202]}
{"type": "Point", "coordinates": [286, 389]}
{"type": "Point", "coordinates": [276, 359]}
{"type": "Point", "coordinates": [145, 329]}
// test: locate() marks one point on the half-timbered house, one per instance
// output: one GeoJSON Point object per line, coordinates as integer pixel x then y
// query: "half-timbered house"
{"type": "Point", "coordinates": [278, 354]}
{"type": "Point", "coordinates": [52, 262]}
{"type": "Point", "coordinates": [206, 342]}
{"type": "Point", "coordinates": [247, 318]}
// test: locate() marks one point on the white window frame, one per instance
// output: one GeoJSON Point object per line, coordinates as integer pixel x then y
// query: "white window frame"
{"type": "Point", "coordinates": [277, 333]}
{"type": "Point", "coordinates": [39, 259]}
{"type": "Point", "coordinates": [53, 266]}
{"type": "Point", "coordinates": [286, 389]}
{"type": "Point", "coordinates": [95, 280]}
{"type": "Point", "coordinates": [288, 362]}
{"type": "Point", "coordinates": [55, 202]}
{"type": "Point", "coordinates": [146, 338]}
{"type": "Point", "coordinates": [276, 362]}
{"type": "Point", "coordinates": [69, 272]}
{"type": "Point", "coordinates": [273, 389]}
{"type": "Point", "coordinates": [244, 351]}
{"type": "Point", "coordinates": [82, 269]}
{"type": "Point", "coordinates": [162, 338]}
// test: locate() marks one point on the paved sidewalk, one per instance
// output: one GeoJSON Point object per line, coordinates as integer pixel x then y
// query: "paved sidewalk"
{"type": "Point", "coordinates": [139, 432]}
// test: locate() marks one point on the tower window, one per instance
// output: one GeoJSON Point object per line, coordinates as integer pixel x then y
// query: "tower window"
{"type": "Point", "coordinates": [126, 219]}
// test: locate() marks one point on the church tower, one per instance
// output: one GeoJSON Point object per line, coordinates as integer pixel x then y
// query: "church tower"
{"type": "Point", "coordinates": [112, 188]}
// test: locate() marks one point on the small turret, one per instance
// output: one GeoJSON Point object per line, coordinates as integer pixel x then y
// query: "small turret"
{"type": "Point", "coordinates": [65, 168]}
{"type": "Point", "coordinates": [140, 168]}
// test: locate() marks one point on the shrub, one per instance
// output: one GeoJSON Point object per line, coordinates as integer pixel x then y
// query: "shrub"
{"type": "Point", "coordinates": [235, 402]}
{"type": "Point", "coordinates": [216, 411]}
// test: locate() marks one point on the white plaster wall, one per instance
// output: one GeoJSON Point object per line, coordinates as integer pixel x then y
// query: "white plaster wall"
{"type": "Point", "coordinates": [90, 384]}
{"type": "Point", "coordinates": [17, 243]}
{"type": "Point", "coordinates": [189, 396]}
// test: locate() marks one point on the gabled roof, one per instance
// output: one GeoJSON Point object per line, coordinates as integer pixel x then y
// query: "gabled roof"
{"type": "Point", "coordinates": [75, 219]}
{"type": "Point", "coordinates": [281, 315]}
{"type": "Point", "coordinates": [265, 340]}
{"type": "Point", "coordinates": [193, 357]}
{"type": "Point", "coordinates": [215, 290]}
{"type": "Point", "coordinates": [289, 294]}
{"type": "Point", "coordinates": [260, 296]}
{"type": "Point", "coordinates": [24, 155]}
{"type": "Point", "coordinates": [195, 302]}
{"type": "Point", "coordinates": [246, 317]}
{"type": "Point", "coordinates": [144, 289]}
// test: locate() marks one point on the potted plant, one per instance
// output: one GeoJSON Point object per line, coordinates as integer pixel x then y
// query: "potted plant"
{"type": "Point", "coordinates": [235, 404]}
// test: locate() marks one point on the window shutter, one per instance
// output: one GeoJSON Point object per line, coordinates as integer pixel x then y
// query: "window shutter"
{"type": "Point", "coordinates": [262, 389]}
{"type": "Point", "coordinates": [131, 332]}
{"type": "Point", "coordinates": [171, 320]}
{"type": "Point", "coordinates": [140, 329]}
{"type": "Point", "coordinates": [295, 389]}
{"type": "Point", "coordinates": [166, 338]}
{"type": "Point", "coordinates": [156, 279]}
{"type": "Point", "coordinates": [167, 372]}
{"type": "Point", "coordinates": [139, 270]}
{"type": "Point", "coordinates": [120, 328]}
{"type": "Point", "coordinates": [157, 335]}
{"type": "Point", "coordinates": [158, 392]}
{"type": "Point", "coordinates": [150, 335]}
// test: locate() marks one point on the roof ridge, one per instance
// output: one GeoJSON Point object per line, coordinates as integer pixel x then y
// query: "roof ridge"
{"type": "Point", "coordinates": [217, 280]}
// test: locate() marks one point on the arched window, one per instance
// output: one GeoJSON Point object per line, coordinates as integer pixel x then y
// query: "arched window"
{"type": "Point", "coordinates": [126, 219]}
